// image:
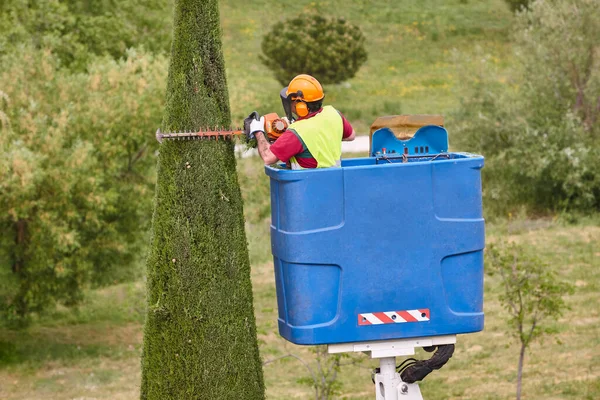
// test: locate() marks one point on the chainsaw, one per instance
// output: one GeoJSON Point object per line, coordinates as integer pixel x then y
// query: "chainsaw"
{"type": "Point", "coordinates": [274, 127]}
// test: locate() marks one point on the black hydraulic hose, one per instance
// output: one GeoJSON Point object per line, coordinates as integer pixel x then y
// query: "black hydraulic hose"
{"type": "Point", "coordinates": [420, 369]}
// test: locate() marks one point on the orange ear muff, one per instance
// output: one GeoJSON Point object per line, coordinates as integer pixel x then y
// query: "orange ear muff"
{"type": "Point", "coordinates": [301, 109]}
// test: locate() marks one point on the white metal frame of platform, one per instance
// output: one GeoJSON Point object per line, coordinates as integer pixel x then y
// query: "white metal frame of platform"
{"type": "Point", "coordinates": [388, 384]}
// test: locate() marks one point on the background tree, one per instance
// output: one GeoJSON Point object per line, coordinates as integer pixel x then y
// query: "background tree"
{"type": "Point", "coordinates": [539, 127]}
{"type": "Point", "coordinates": [560, 55]}
{"type": "Point", "coordinates": [200, 333]}
{"type": "Point", "coordinates": [330, 49]}
{"type": "Point", "coordinates": [74, 182]}
{"type": "Point", "coordinates": [531, 294]}
{"type": "Point", "coordinates": [75, 31]}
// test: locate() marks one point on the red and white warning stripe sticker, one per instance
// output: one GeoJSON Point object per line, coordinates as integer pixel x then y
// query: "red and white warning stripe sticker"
{"type": "Point", "coordinates": [394, 317]}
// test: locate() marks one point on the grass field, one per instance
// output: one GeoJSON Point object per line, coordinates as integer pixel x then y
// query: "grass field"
{"type": "Point", "coordinates": [415, 50]}
{"type": "Point", "coordinates": [94, 353]}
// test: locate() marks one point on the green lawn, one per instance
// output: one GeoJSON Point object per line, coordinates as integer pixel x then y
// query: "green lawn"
{"type": "Point", "coordinates": [416, 49]}
{"type": "Point", "coordinates": [94, 352]}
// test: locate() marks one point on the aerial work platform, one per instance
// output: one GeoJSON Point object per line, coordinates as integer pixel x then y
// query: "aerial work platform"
{"type": "Point", "coordinates": [388, 246]}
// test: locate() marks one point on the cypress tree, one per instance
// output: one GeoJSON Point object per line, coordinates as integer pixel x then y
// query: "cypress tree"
{"type": "Point", "coordinates": [200, 333]}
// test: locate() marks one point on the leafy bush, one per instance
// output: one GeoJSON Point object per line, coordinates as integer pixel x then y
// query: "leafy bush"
{"type": "Point", "coordinates": [75, 185]}
{"type": "Point", "coordinates": [75, 30]}
{"type": "Point", "coordinates": [539, 129]}
{"type": "Point", "coordinates": [332, 50]}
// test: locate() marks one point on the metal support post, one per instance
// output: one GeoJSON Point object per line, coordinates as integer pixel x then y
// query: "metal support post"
{"type": "Point", "coordinates": [387, 379]}
{"type": "Point", "coordinates": [389, 386]}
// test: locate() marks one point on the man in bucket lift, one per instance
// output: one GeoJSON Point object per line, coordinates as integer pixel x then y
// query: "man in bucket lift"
{"type": "Point", "coordinates": [313, 139]}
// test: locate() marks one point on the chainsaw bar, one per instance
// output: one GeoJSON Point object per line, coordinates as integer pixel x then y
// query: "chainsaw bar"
{"type": "Point", "coordinates": [202, 134]}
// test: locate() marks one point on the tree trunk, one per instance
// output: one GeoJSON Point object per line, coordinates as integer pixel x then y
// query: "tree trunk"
{"type": "Point", "coordinates": [18, 267]}
{"type": "Point", "coordinates": [20, 243]}
{"type": "Point", "coordinates": [200, 333]}
{"type": "Point", "coordinates": [520, 371]}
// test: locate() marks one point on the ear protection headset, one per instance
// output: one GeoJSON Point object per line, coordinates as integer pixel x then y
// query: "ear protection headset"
{"type": "Point", "coordinates": [301, 106]}
{"type": "Point", "coordinates": [302, 91]}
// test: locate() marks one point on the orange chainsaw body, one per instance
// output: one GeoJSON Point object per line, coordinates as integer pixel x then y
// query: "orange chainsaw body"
{"type": "Point", "coordinates": [274, 126]}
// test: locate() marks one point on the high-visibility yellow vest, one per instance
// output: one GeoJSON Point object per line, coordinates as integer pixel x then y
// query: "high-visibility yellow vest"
{"type": "Point", "coordinates": [322, 135]}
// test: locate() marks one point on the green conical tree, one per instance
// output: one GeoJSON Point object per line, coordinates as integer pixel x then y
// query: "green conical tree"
{"type": "Point", "coordinates": [200, 333]}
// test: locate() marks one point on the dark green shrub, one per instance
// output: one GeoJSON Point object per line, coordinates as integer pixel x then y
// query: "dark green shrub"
{"type": "Point", "coordinates": [332, 50]}
{"type": "Point", "coordinates": [518, 5]}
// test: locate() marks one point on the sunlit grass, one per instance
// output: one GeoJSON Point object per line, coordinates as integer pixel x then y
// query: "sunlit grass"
{"type": "Point", "coordinates": [411, 66]}
{"type": "Point", "coordinates": [95, 351]}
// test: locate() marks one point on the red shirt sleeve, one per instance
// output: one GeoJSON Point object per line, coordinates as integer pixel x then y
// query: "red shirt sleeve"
{"type": "Point", "coordinates": [287, 146]}
{"type": "Point", "coordinates": [347, 127]}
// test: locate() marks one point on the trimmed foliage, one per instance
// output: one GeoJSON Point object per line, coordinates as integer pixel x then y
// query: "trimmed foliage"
{"type": "Point", "coordinates": [200, 333]}
{"type": "Point", "coordinates": [332, 50]}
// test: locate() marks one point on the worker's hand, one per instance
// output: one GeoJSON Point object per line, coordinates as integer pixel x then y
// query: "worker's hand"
{"type": "Point", "coordinates": [252, 124]}
{"type": "Point", "coordinates": [257, 126]}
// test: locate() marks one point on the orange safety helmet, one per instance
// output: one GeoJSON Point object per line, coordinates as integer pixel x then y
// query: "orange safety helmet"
{"type": "Point", "coordinates": [302, 89]}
